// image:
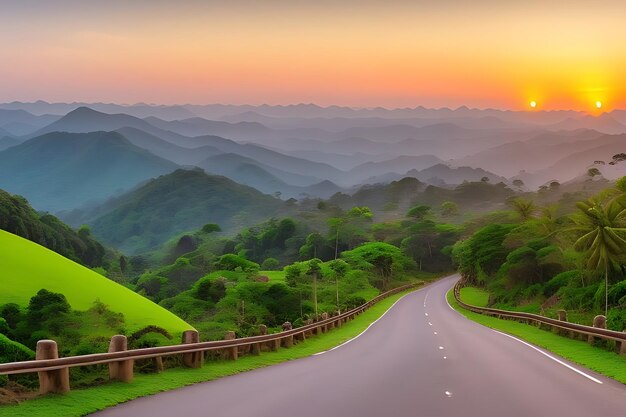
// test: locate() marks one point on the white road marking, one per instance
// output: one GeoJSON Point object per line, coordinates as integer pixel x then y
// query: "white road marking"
{"type": "Point", "coordinates": [426, 298]}
{"type": "Point", "coordinates": [367, 328]}
{"type": "Point", "coordinates": [430, 324]}
{"type": "Point", "coordinates": [440, 347]}
{"type": "Point", "coordinates": [448, 394]}
{"type": "Point", "coordinates": [578, 371]}
{"type": "Point", "coordinates": [426, 314]}
{"type": "Point", "coordinates": [435, 332]}
{"type": "Point", "coordinates": [445, 357]}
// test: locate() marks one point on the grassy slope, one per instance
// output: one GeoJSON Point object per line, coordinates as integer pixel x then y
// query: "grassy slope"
{"type": "Point", "coordinates": [598, 359]}
{"type": "Point", "coordinates": [26, 267]}
{"type": "Point", "coordinates": [81, 402]}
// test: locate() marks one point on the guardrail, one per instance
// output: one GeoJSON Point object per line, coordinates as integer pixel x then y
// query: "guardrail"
{"type": "Point", "coordinates": [54, 371]}
{"type": "Point", "coordinates": [598, 330]}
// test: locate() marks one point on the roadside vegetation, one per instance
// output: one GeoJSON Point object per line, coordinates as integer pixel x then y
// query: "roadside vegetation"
{"type": "Point", "coordinates": [539, 259]}
{"type": "Point", "coordinates": [600, 360]}
{"type": "Point", "coordinates": [84, 401]}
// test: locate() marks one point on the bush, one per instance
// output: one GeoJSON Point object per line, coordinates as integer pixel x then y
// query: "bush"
{"type": "Point", "coordinates": [561, 280]}
{"type": "Point", "coordinates": [270, 264]}
{"type": "Point", "coordinates": [616, 319]}
{"type": "Point", "coordinates": [11, 351]}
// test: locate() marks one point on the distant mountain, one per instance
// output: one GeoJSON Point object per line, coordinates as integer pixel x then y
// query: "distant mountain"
{"type": "Point", "coordinates": [244, 171]}
{"type": "Point", "coordinates": [6, 141]}
{"type": "Point", "coordinates": [454, 176]}
{"type": "Point", "coordinates": [166, 149]}
{"type": "Point", "coordinates": [441, 175]}
{"type": "Point", "coordinates": [21, 122]}
{"type": "Point", "coordinates": [227, 164]}
{"type": "Point", "coordinates": [604, 123]}
{"type": "Point", "coordinates": [395, 133]}
{"type": "Point", "coordinates": [392, 199]}
{"type": "Point", "coordinates": [539, 152]}
{"type": "Point", "coordinates": [198, 126]}
{"type": "Point", "coordinates": [398, 165]}
{"type": "Point", "coordinates": [576, 164]}
{"type": "Point", "coordinates": [61, 171]}
{"type": "Point", "coordinates": [138, 110]}
{"type": "Point", "coordinates": [85, 119]}
{"type": "Point", "coordinates": [171, 204]}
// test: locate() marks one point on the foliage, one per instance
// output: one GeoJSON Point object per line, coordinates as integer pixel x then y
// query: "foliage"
{"type": "Point", "coordinates": [19, 218]}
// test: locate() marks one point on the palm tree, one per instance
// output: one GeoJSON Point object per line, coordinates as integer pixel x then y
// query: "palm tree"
{"type": "Point", "coordinates": [602, 235]}
{"type": "Point", "coordinates": [525, 208]}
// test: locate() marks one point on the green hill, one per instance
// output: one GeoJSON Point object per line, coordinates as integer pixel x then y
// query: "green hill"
{"type": "Point", "coordinates": [26, 267]}
{"type": "Point", "coordinates": [175, 203]}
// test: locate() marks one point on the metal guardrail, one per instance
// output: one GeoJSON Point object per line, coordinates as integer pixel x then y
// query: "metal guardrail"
{"type": "Point", "coordinates": [597, 331]}
{"type": "Point", "coordinates": [54, 372]}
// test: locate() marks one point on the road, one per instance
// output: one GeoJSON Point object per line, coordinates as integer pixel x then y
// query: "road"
{"type": "Point", "coordinates": [420, 359]}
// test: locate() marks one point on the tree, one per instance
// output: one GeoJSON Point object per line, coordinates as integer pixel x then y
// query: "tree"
{"type": "Point", "coordinates": [270, 264]}
{"type": "Point", "coordinates": [601, 236]}
{"type": "Point", "coordinates": [526, 209]}
{"type": "Point", "coordinates": [593, 172]}
{"type": "Point", "coordinates": [314, 271]}
{"type": "Point", "coordinates": [418, 212]}
{"type": "Point", "coordinates": [340, 268]}
{"type": "Point", "coordinates": [484, 179]}
{"type": "Point", "coordinates": [449, 208]}
{"type": "Point", "coordinates": [211, 227]}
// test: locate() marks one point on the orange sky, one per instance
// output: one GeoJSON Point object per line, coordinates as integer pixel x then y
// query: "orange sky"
{"type": "Point", "coordinates": [361, 53]}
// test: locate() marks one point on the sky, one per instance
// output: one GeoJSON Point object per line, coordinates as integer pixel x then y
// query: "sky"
{"type": "Point", "coordinates": [360, 53]}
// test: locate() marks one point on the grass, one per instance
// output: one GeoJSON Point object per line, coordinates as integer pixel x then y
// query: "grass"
{"type": "Point", "coordinates": [81, 402]}
{"type": "Point", "coordinates": [596, 358]}
{"type": "Point", "coordinates": [274, 276]}
{"type": "Point", "coordinates": [26, 267]}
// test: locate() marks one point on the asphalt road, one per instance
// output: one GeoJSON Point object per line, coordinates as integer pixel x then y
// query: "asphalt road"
{"type": "Point", "coordinates": [421, 359]}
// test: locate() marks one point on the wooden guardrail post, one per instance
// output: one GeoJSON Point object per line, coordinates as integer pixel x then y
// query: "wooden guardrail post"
{"type": "Point", "coordinates": [192, 359]}
{"type": "Point", "coordinates": [622, 346]}
{"type": "Point", "coordinates": [232, 352]}
{"type": "Point", "coordinates": [599, 321]}
{"type": "Point", "coordinates": [122, 370]}
{"type": "Point", "coordinates": [255, 348]}
{"type": "Point", "coordinates": [287, 341]}
{"type": "Point", "coordinates": [324, 317]}
{"type": "Point", "coordinates": [56, 381]}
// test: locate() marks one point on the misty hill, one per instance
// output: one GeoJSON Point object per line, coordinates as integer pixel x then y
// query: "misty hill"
{"type": "Point", "coordinates": [398, 165]}
{"type": "Point", "coordinates": [184, 200]}
{"type": "Point", "coordinates": [197, 126]}
{"type": "Point", "coordinates": [84, 119]}
{"type": "Point", "coordinates": [576, 164]}
{"type": "Point", "coordinates": [166, 149]}
{"type": "Point", "coordinates": [7, 141]}
{"type": "Point", "coordinates": [244, 171]}
{"type": "Point", "coordinates": [21, 122]}
{"type": "Point", "coordinates": [397, 197]}
{"type": "Point", "coordinates": [229, 164]}
{"type": "Point", "coordinates": [60, 171]}
{"type": "Point", "coordinates": [454, 176]}
{"type": "Point", "coordinates": [538, 152]}
{"type": "Point", "coordinates": [604, 123]}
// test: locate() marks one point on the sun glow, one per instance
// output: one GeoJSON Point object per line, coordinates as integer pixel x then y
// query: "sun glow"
{"type": "Point", "coordinates": [598, 104]}
{"type": "Point", "coordinates": [533, 104]}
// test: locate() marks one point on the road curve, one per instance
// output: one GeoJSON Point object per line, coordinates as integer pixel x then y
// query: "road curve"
{"type": "Point", "coordinates": [421, 359]}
